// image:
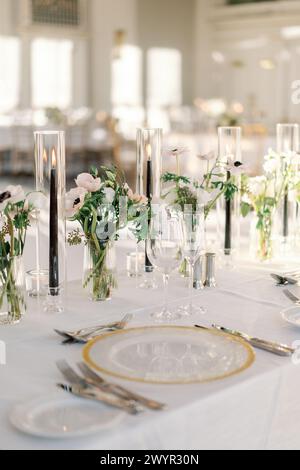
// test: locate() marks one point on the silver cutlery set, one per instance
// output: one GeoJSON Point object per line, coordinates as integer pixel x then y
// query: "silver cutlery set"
{"type": "Point", "coordinates": [92, 386]}
{"type": "Point", "coordinates": [85, 335]}
{"type": "Point", "coordinates": [291, 278]}
{"type": "Point", "coordinates": [257, 343]}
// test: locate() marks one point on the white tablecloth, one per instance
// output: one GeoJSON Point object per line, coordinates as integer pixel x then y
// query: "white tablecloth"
{"type": "Point", "coordinates": [259, 409]}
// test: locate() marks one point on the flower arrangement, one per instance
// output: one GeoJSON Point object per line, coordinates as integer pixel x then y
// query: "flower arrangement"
{"type": "Point", "coordinates": [103, 205]}
{"type": "Point", "coordinates": [15, 212]}
{"type": "Point", "coordinates": [218, 180]}
{"type": "Point", "coordinates": [263, 195]}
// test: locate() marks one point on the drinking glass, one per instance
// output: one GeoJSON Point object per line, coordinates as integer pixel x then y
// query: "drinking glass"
{"type": "Point", "coordinates": [192, 247]}
{"type": "Point", "coordinates": [163, 246]}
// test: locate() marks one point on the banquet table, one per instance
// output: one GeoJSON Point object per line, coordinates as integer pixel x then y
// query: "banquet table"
{"type": "Point", "coordinates": [257, 409]}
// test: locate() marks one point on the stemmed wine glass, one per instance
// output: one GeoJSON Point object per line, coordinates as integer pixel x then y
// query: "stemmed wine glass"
{"type": "Point", "coordinates": [163, 246]}
{"type": "Point", "coordinates": [192, 247]}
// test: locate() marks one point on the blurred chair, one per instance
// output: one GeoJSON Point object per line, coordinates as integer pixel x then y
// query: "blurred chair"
{"type": "Point", "coordinates": [102, 141]}
{"type": "Point", "coordinates": [22, 160]}
{"type": "Point", "coordinates": [6, 145]}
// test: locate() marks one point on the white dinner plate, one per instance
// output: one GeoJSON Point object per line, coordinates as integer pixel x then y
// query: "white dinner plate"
{"type": "Point", "coordinates": [58, 417]}
{"type": "Point", "coordinates": [292, 315]}
{"type": "Point", "coordinates": [168, 355]}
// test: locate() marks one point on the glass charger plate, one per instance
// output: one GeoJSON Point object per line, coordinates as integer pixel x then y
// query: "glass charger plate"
{"type": "Point", "coordinates": [168, 355]}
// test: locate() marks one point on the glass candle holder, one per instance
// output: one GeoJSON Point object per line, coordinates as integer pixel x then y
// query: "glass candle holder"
{"type": "Point", "coordinates": [135, 264]}
{"type": "Point", "coordinates": [228, 210]}
{"type": "Point", "coordinates": [50, 225]}
{"type": "Point", "coordinates": [288, 210]}
{"type": "Point", "coordinates": [37, 283]}
{"type": "Point", "coordinates": [148, 182]}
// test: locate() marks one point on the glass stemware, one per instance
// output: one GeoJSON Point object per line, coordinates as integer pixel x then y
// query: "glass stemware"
{"type": "Point", "coordinates": [192, 247]}
{"type": "Point", "coordinates": [162, 248]}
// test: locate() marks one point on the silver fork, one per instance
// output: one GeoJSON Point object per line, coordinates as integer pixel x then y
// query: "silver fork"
{"type": "Point", "coordinates": [95, 392]}
{"type": "Point", "coordinates": [123, 392]}
{"type": "Point", "coordinates": [291, 296]}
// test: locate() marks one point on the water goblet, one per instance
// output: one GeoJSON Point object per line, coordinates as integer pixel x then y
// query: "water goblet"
{"type": "Point", "coordinates": [162, 248]}
{"type": "Point", "coordinates": [192, 247]}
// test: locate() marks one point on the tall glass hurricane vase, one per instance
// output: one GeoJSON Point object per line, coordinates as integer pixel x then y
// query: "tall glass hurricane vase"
{"type": "Point", "coordinates": [50, 175]}
{"type": "Point", "coordinates": [288, 148]}
{"type": "Point", "coordinates": [228, 207]}
{"type": "Point", "coordinates": [148, 183]}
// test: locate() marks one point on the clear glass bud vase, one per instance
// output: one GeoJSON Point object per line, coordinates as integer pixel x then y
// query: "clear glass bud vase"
{"type": "Point", "coordinates": [12, 291]}
{"type": "Point", "coordinates": [263, 239]}
{"type": "Point", "coordinates": [99, 272]}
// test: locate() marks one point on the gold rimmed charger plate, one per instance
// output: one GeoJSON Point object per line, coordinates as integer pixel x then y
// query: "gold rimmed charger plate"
{"type": "Point", "coordinates": [168, 355]}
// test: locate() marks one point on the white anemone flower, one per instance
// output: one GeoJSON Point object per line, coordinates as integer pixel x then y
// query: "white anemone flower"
{"type": "Point", "coordinates": [11, 195]}
{"type": "Point", "coordinates": [74, 201]}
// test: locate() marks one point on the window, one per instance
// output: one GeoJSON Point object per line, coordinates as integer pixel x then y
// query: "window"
{"type": "Point", "coordinates": [51, 73]}
{"type": "Point", "coordinates": [164, 77]}
{"type": "Point", "coordinates": [10, 73]}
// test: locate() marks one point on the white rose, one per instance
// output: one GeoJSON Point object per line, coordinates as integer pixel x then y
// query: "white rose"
{"type": "Point", "coordinates": [88, 182]}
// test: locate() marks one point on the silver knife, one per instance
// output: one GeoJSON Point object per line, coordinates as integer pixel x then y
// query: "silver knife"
{"type": "Point", "coordinates": [275, 348]}
{"type": "Point", "coordinates": [96, 395]}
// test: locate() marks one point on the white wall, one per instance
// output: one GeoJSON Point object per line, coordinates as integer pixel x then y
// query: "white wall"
{"type": "Point", "coordinates": [107, 16]}
{"type": "Point", "coordinates": [170, 24]}
{"type": "Point", "coordinates": [149, 23]}
{"type": "Point", "coordinates": [203, 83]}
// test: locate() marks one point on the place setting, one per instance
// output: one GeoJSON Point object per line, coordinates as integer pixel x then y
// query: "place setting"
{"type": "Point", "coordinates": [161, 352]}
{"type": "Point", "coordinates": [149, 226]}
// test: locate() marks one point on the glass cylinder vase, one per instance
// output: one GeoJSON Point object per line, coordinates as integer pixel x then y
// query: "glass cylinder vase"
{"type": "Point", "coordinates": [50, 173]}
{"type": "Point", "coordinates": [228, 209]}
{"type": "Point", "coordinates": [99, 271]}
{"type": "Point", "coordinates": [263, 239]}
{"type": "Point", "coordinates": [288, 210]}
{"type": "Point", "coordinates": [12, 291]}
{"type": "Point", "coordinates": [148, 181]}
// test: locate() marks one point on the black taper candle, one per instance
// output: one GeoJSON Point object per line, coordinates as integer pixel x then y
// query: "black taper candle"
{"type": "Point", "coordinates": [53, 236]}
{"type": "Point", "coordinates": [286, 214]}
{"type": "Point", "coordinates": [148, 264]}
{"type": "Point", "coordinates": [228, 217]}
